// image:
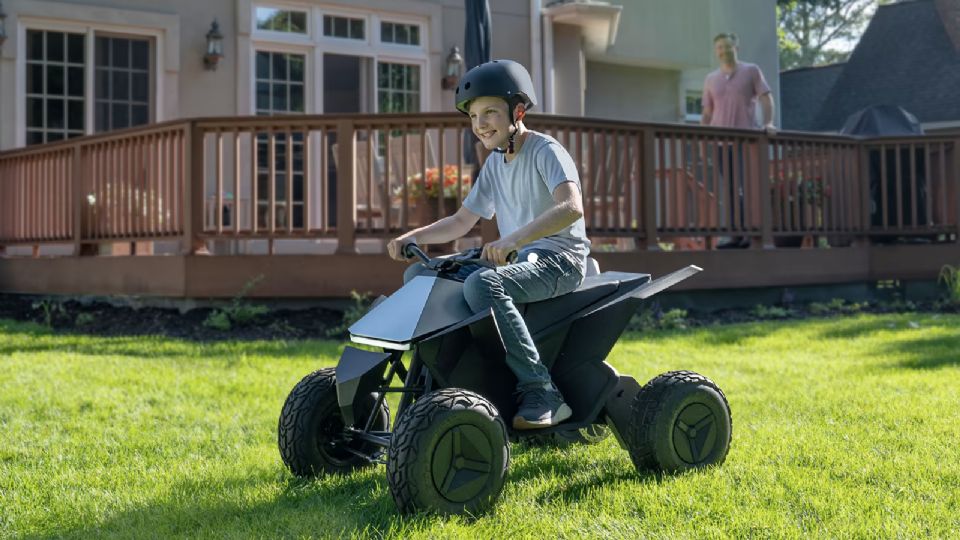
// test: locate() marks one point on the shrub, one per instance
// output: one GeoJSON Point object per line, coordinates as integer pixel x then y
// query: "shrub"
{"type": "Point", "coordinates": [84, 319]}
{"type": "Point", "coordinates": [675, 319]}
{"type": "Point", "coordinates": [761, 311]}
{"type": "Point", "coordinates": [237, 311]}
{"type": "Point", "coordinates": [49, 310]}
{"type": "Point", "coordinates": [950, 276]}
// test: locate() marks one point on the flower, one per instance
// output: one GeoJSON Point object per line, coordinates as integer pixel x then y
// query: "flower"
{"type": "Point", "coordinates": [416, 186]}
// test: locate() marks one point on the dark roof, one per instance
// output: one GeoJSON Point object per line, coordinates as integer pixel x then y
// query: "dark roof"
{"type": "Point", "coordinates": [904, 58]}
{"type": "Point", "coordinates": [802, 92]}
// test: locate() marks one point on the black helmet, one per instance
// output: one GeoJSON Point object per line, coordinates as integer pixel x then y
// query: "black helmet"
{"type": "Point", "coordinates": [500, 78]}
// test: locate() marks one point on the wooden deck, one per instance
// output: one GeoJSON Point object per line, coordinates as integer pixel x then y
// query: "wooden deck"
{"type": "Point", "coordinates": [304, 201]}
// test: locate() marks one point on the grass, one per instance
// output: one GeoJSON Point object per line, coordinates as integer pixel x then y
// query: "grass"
{"type": "Point", "coordinates": [842, 428]}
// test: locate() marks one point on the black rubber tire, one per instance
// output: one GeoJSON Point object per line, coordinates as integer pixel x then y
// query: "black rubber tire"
{"type": "Point", "coordinates": [310, 430]}
{"type": "Point", "coordinates": [449, 454]}
{"type": "Point", "coordinates": [592, 434]}
{"type": "Point", "coordinates": [681, 421]}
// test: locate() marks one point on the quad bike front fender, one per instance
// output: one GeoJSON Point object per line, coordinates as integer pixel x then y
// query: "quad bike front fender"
{"type": "Point", "coordinates": [358, 374]}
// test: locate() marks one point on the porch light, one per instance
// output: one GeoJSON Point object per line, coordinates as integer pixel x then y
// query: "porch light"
{"type": "Point", "coordinates": [214, 47]}
{"type": "Point", "coordinates": [454, 69]}
{"type": "Point", "coordinates": [3, 31]}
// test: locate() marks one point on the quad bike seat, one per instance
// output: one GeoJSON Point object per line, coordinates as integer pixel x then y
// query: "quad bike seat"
{"type": "Point", "coordinates": [595, 287]}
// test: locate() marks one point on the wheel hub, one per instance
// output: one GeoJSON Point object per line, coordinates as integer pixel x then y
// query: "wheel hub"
{"type": "Point", "coordinates": [694, 436]}
{"type": "Point", "coordinates": [461, 463]}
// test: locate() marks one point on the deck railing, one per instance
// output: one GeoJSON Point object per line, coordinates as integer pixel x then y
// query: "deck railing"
{"type": "Point", "coordinates": [350, 176]}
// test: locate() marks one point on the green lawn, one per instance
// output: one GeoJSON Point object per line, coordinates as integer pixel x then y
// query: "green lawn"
{"type": "Point", "coordinates": [842, 428]}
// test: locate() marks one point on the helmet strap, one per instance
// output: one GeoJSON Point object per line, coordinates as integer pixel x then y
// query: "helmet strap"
{"type": "Point", "coordinates": [516, 129]}
{"type": "Point", "coordinates": [510, 140]}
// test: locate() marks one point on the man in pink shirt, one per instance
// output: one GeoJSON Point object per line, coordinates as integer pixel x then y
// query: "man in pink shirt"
{"type": "Point", "coordinates": [731, 92]}
{"type": "Point", "coordinates": [730, 95]}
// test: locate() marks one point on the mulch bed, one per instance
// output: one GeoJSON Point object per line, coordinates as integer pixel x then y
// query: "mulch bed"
{"type": "Point", "coordinates": [103, 319]}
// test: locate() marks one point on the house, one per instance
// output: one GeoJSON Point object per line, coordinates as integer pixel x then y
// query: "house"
{"type": "Point", "coordinates": [909, 56]}
{"type": "Point", "coordinates": [74, 67]}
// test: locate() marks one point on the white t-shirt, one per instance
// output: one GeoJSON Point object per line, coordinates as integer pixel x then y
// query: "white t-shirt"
{"type": "Point", "coordinates": [521, 190]}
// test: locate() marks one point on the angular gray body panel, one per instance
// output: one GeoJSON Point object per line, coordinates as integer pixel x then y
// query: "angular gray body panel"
{"type": "Point", "coordinates": [423, 306]}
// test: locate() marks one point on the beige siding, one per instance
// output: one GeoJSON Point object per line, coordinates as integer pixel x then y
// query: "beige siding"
{"type": "Point", "coordinates": [632, 93]}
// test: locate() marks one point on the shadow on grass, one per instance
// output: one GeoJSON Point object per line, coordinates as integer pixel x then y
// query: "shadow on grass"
{"type": "Point", "coordinates": [33, 338]}
{"type": "Point", "coordinates": [722, 335]}
{"type": "Point", "coordinates": [333, 507]}
{"type": "Point", "coordinates": [926, 353]}
{"type": "Point", "coordinates": [547, 462]}
{"type": "Point", "coordinates": [931, 352]}
{"type": "Point", "coordinates": [352, 505]}
{"type": "Point", "coordinates": [861, 328]}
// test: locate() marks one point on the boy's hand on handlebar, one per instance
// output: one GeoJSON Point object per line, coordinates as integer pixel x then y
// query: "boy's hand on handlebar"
{"type": "Point", "coordinates": [395, 248]}
{"type": "Point", "coordinates": [498, 252]}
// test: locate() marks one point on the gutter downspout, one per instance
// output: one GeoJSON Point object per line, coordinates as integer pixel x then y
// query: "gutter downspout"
{"type": "Point", "coordinates": [536, 50]}
{"type": "Point", "coordinates": [549, 91]}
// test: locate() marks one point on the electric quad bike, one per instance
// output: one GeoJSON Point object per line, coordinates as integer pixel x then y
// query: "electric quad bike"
{"type": "Point", "coordinates": [448, 451]}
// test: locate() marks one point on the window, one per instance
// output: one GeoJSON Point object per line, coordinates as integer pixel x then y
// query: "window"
{"type": "Point", "coordinates": [693, 106]}
{"type": "Point", "coordinates": [398, 87]}
{"type": "Point", "coordinates": [55, 85]}
{"type": "Point", "coordinates": [343, 27]}
{"type": "Point", "coordinates": [122, 83]}
{"type": "Point", "coordinates": [280, 20]}
{"type": "Point", "coordinates": [280, 80]}
{"type": "Point", "coordinates": [401, 34]}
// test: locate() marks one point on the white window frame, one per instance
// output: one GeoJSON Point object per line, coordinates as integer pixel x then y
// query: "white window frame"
{"type": "Point", "coordinates": [282, 37]}
{"type": "Point", "coordinates": [314, 45]}
{"type": "Point", "coordinates": [398, 60]}
{"type": "Point", "coordinates": [308, 76]}
{"type": "Point", "coordinates": [342, 12]}
{"type": "Point", "coordinates": [90, 31]}
{"type": "Point", "coordinates": [400, 20]}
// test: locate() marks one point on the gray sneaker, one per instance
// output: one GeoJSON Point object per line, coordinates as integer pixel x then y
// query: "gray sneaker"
{"type": "Point", "coordinates": [540, 408]}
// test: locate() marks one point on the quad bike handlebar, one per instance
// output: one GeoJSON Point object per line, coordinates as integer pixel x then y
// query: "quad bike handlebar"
{"type": "Point", "coordinates": [454, 262]}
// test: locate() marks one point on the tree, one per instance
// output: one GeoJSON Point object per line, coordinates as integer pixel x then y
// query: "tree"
{"type": "Point", "coordinates": [817, 32]}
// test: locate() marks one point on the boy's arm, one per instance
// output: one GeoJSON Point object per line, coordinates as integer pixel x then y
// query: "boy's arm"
{"type": "Point", "coordinates": [567, 208]}
{"type": "Point", "coordinates": [444, 230]}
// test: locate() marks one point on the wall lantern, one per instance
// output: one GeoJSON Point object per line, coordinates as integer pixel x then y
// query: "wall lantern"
{"type": "Point", "coordinates": [454, 69]}
{"type": "Point", "coordinates": [3, 31]}
{"type": "Point", "coordinates": [214, 47]}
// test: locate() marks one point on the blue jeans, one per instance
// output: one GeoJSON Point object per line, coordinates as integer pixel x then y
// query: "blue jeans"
{"type": "Point", "coordinates": [553, 274]}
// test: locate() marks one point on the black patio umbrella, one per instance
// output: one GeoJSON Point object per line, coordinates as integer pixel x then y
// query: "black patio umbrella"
{"type": "Point", "coordinates": [880, 120]}
{"type": "Point", "coordinates": [476, 49]}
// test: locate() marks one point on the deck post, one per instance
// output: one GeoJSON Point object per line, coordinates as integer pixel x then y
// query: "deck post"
{"type": "Point", "coordinates": [77, 183]}
{"type": "Point", "coordinates": [956, 188]}
{"type": "Point", "coordinates": [346, 187]}
{"type": "Point", "coordinates": [762, 164]}
{"type": "Point", "coordinates": [863, 184]}
{"type": "Point", "coordinates": [648, 186]}
{"type": "Point", "coordinates": [193, 192]}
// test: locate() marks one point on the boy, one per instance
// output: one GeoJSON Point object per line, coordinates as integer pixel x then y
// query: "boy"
{"type": "Point", "coordinates": [531, 184]}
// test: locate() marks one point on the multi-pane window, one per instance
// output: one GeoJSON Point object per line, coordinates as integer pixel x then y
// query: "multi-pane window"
{"type": "Point", "coordinates": [280, 90]}
{"type": "Point", "coordinates": [398, 87]}
{"type": "Point", "coordinates": [343, 27]}
{"type": "Point", "coordinates": [399, 33]}
{"type": "Point", "coordinates": [55, 85]}
{"type": "Point", "coordinates": [281, 20]}
{"type": "Point", "coordinates": [280, 82]}
{"type": "Point", "coordinates": [122, 87]}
